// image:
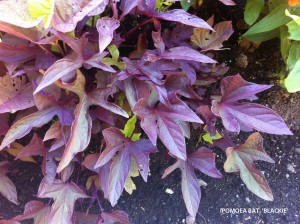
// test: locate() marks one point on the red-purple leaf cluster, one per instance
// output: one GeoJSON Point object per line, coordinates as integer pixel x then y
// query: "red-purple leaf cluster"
{"type": "Point", "coordinates": [63, 79]}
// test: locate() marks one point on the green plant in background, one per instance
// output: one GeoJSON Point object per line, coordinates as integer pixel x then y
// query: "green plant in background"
{"type": "Point", "coordinates": [279, 19]}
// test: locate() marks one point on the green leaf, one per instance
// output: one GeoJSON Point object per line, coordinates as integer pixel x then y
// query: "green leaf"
{"type": "Point", "coordinates": [284, 42]}
{"type": "Point", "coordinates": [294, 55]}
{"type": "Point", "coordinates": [241, 159]}
{"type": "Point", "coordinates": [292, 82]}
{"type": "Point", "coordinates": [252, 10]}
{"type": "Point", "coordinates": [185, 5]}
{"type": "Point", "coordinates": [136, 136]}
{"type": "Point", "coordinates": [270, 22]}
{"type": "Point", "coordinates": [294, 30]}
{"type": "Point", "coordinates": [259, 37]}
{"type": "Point", "coordinates": [129, 127]}
{"type": "Point", "coordinates": [208, 138]}
{"type": "Point", "coordinates": [42, 9]}
{"type": "Point", "coordinates": [114, 52]}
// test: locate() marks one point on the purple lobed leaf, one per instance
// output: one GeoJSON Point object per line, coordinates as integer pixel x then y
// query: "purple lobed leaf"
{"type": "Point", "coordinates": [236, 115]}
{"type": "Point", "coordinates": [181, 16]}
{"type": "Point", "coordinates": [204, 160]}
{"type": "Point", "coordinates": [161, 121]}
{"type": "Point", "coordinates": [181, 53]}
{"type": "Point", "coordinates": [37, 119]}
{"type": "Point", "coordinates": [58, 70]}
{"type": "Point", "coordinates": [15, 94]}
{"type": "Point", "coordinates": [120, 166]}
{"type": "Point", "coordinates": [67, 13]}
{"type": "Point", "coordinates": [80, 134]}
{"type": "Point", "coordinates": [127, 6]}
{"type": "Point", "coordinates": [106, 28]}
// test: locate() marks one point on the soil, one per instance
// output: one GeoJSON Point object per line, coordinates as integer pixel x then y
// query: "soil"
{"type": "Point", "coordinates": [151, 204]}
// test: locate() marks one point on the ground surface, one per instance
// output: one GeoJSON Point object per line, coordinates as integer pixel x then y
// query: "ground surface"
{"type": "Point", "coordinates": [151, 204]}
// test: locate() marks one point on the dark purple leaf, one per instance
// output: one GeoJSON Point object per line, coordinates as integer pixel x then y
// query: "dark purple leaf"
{"type": "Point", "coordinates": [58, 70]}
{"type": "Point", "coordinates": [181, 16]}
{"type": "Point", "coordinates": [115, 216]}
{"type": "Point", "coordinates": [64, 196]}
{"type": "Point", "coordinates": [204, 160]}
{"type": "Point", "coordinates": [35, 210]}
{"type": "Point", "coordinates": [120, 166]}
{"type": "Point", "coordinates": [7, 187]}
{"type": "Point", "coordinates": [99, 97]}
{"type": "Point", "coordinates": [209, 118]}
{"type": "Point", "coordinates": [106, 28]}
{"type": "Point", "coordinates": [181, 53]}
{"type": "Point", "coordinates": [80, 134]}
{"type": "Point", "coordinates": [37, 119]}
{"type": "Point", "coordinates": [127, 6]}
{"type": "Point", "coordinates": [4, 127]}
{"type": "Point", "coordinates": [68, 13]}
{"type": "Point", "coordinates": [161, 121]}
{"type": "Point", "coordinates": [251, 115]}
{"type": "Point", "coordinates": [15, 94]}
{"type": "Point", "coordinates": [16, 54]}
{"type": "Point", "coordinates": [34, 148]}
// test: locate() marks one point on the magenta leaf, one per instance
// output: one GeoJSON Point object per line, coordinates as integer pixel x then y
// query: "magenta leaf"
{"type": "Point", "coordinates": [96, 62]}
{"type": "Point", "coordinates": [64, 196]}
{"type": "Point", "coordinates": [206, 40]}
{"type": "Point", "coordinates": [204, 160]}
{"type": "Point", "coordinates": [181, 16]}
{"type": "Point", "coordinates": [66, 20]}
{"type": "Point", "coordinates": [16, 54]}
{"type": "Point", "coordinates": [80, 134]}
{"type": "Point", "coordinates": [120, 166]}
{"type": "Point", "coordinates": [241, 159]}
{"type": "Point", "coordinates": [99, 97]}
{"type": "Point", "coordinates": [84, 218]}
{"type": "Point", "coordinates": [35, 210]}
{"type": "Point", "coordinates": [23, 126]}
{"type": "Point", "coordinates": [251, 115]}
{"type": "Point", "coordinates": [115, 216]}
{"type": "Point", "coordinates": [58, 70]}
{"type": "Point", "coordinates": [127, 6]}
{"type": "Point", "coordinates": [4, 127]}
{"type": "Point", "coordinates": [56, 131]}
{"type": "Point", "coordinates": [161, 121]}
{"type": "Point", "coordinates": [34, 148]}
{"type": "Point", "coordinates": [106, 28]}
{"type": "Point", "coordinates": [227, 2]}
{"type": "Point", "coordinates": [7, 188]}
{"type": "Point", "coordinates": [5, 221]}
{"type": "Point", "coordinates": [81, 126]}
{"type": "Point", "coordinates": [30, 34]}
{"type": "Point", "coordinates": [181, 53]}
{"type": "Point", "coordinates": [103, 171]}
{"type": "Point", "coordinates": [15, 94]}
{"type": "Point", "coordinates": [209, 118]}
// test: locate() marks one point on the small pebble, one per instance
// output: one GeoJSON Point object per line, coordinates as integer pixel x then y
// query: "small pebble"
{"type": "Point", "coordinates": [242, 61]}
{"type": "Point", "coordinates": [291, 168]}
{"type": "Point", "coordinates": [169, 191]}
